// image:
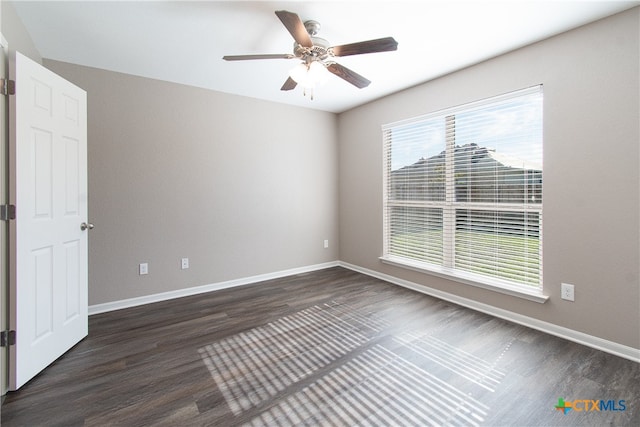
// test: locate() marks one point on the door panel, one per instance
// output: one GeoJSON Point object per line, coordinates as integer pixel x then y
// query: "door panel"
{"type": "Point", "coordinates": [42, 158]}
{"type": "Point", "coordinates": [72, 178]}
{"type": "Point", "coordinates": [49, 287]}
{"type": "Point", "coordinates": [40, 296]}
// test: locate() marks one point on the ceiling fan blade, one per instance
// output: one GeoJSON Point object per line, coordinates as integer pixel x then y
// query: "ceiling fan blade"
{"type": "Point", "coordinates": [295, 26]}
{"type": "Point", "coordinates": [289, 84]}
{"type": "Point", "coordinates": [266, 56]}
{"type": "Point", "coordinates": [351, 76]}
{"type": "Point", "coordinates": [385, 44]}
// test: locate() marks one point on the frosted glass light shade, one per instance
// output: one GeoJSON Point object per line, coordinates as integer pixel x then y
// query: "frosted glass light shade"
{"type": "Point", "coordinates": [309, 75]}
{"type": "Point", "coordinates": [318, 72]}
{"type": "Point", "coordinates": [299, 73]}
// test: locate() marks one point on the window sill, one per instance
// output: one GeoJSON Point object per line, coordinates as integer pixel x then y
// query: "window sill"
{"type": "Point", "coordinates": [468, 279]}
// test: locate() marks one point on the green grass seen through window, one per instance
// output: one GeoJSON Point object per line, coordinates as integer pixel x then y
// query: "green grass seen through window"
{"type": "Point", "coordinates": [509, 257]}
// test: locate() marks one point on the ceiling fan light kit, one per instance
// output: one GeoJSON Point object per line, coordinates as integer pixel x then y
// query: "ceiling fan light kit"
{"type": "Point", "coordinates": [312, 73]}
{"type": "Point", "coordinates": [308, 75]}
{"type": "Point", "coordinates": [317, 55]}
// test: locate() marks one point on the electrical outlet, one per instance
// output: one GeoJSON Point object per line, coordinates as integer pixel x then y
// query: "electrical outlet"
{"type": "Point", "coordinates": [567, 291]}
{"type": "Point", "coordinates": [326, 244]}
{"type": "Point", "coordinates": [185, 263]}
{"type": "Point", "coordinates": [143, 268]}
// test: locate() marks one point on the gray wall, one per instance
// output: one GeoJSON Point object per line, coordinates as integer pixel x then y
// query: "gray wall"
{"type": "Point", "coordinates": [242, 187]}
{"type": "Point", "coordinates": [17, 36]}
{"type": "Point", "coordinates": [591, 183]}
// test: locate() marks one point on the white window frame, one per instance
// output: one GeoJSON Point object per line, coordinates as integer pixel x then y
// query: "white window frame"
{"type": "Point", "coordinates": [449, 207]}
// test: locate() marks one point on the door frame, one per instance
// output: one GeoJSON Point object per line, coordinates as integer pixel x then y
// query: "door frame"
{"type": "Point", "coordinates": [4, 227]}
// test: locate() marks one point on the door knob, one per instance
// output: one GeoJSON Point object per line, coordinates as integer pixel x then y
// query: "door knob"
{"type": "Point", "coordinates": [85, 226]}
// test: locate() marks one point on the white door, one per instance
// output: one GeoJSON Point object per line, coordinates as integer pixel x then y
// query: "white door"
{"type": "Point", "coordinates": [49, 278]}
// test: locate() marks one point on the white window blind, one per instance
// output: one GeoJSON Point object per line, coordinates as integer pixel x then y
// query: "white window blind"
{"type": "Point", "coordinates": [463, 190]}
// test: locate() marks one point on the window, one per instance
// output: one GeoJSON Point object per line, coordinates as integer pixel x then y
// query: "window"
{"type": "Point", "coordinates": [463, 192]}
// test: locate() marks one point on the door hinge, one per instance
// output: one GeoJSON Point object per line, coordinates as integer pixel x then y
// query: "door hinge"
{"type": "Point", "coordinates": [7, 338]}
{"type": "Point", "coordinates": [7, 87]}
{"type": "Point", "coordinates": [7, 212]}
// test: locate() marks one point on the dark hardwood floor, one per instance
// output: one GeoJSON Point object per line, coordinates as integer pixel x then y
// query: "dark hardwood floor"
{"type": "Point", "coordinates": [332, 347]}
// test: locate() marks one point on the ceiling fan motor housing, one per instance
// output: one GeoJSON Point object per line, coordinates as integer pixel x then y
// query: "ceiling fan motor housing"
{"type": "Point", "coordinates": [320, 49]}
{"type": "Point", "coordinates": [318, 52]}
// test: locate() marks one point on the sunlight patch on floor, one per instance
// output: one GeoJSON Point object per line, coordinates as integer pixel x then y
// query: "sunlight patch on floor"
{"type": "Point", "coordinates": [372, 382]}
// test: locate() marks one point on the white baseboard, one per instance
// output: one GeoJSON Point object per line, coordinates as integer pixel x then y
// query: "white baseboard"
{"type": "Point", "coordinates": [164, 296]}
{"type": "Point", "coordinates": [546, 327]}
{"type": "Point", "coordinates": [549, 328]}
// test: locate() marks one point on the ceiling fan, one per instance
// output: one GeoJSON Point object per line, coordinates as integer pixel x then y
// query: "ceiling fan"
{"type": "Point", "coordinates": [317, 54]}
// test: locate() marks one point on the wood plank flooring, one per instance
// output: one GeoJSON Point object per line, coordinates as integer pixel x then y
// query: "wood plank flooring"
{"type": "Point", "coordinates": [331, 347]}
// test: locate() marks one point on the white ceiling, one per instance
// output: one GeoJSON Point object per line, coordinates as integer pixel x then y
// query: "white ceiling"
{"type": "Point", "coordinates": [183, 42]}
